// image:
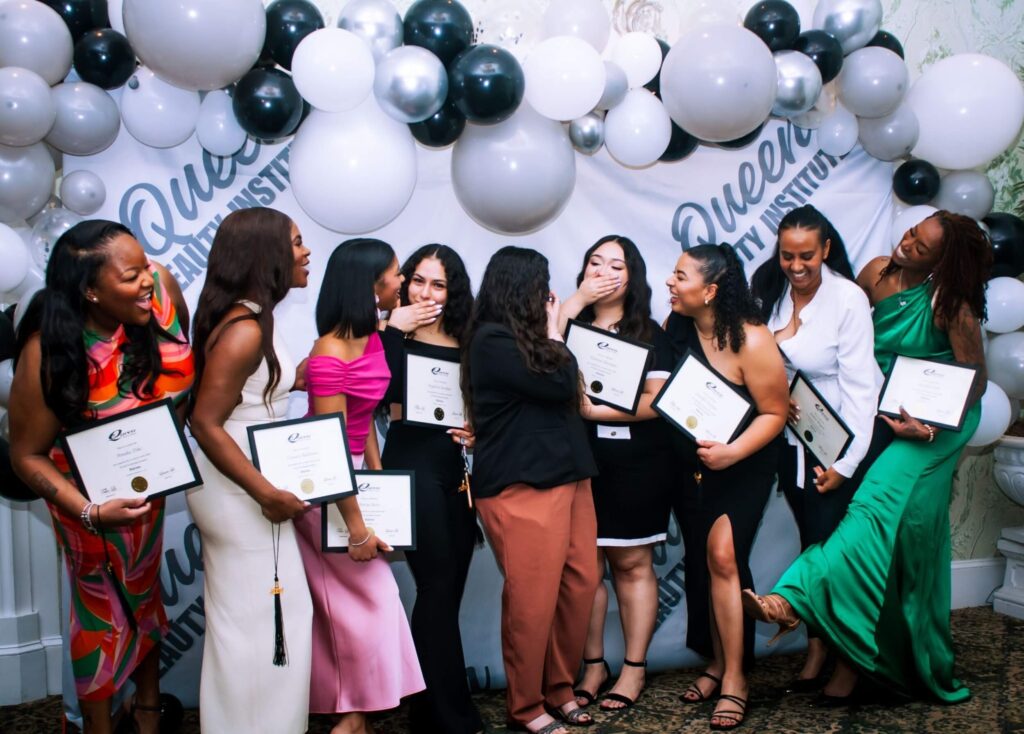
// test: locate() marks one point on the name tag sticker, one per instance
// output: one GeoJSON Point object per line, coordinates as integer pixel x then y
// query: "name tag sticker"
{"type": "Point", "coordinates": [614, 432]}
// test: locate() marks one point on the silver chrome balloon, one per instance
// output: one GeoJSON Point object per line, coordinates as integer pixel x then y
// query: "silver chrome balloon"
{"type": "Point", "coordinates": [376, 22]}
{"type": "Point", "coordinates": [587, 133]}
{"type": "Point", "coordinates": [852, 22]}
{"type": "Point", "coordinates": [799, 83]}
{"type": "Point", "coordinates": [411, 84]}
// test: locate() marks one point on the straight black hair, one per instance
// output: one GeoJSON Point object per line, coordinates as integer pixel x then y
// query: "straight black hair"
{"type": "Point", "coordinates": [346, 306]}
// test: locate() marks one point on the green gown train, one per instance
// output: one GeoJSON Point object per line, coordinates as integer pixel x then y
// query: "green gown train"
{"type": "Point", "coordinates": [878, 590]}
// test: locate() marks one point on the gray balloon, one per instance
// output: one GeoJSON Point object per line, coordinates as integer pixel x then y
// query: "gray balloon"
{"type": "Point", "coordinates": [965, 192]}
{"type": "Point", "coordinates": [83, 192]}
{"type": "Point", "coordinates": [26, 109]}
{"type": "Point", "coordinates": [852, 22]}
{"type": "Point", "coordinates": [411, 84]}
{"type": "Point", "coordinates": [26, 181]}
{"type": "Point", "coordinates": [34, 37]}
{"type": "Point", "coordinates": [516, 176]}
{"type": "Point", "coordinates": [587, 133]}
{"type": "Point", "coordinates": [799, 83]}
{"type": "Point", "coordinates": [873, 82]}
{"type": "Point", "coordinates": [87, 119]}
{"type": "Point", "coordinates": [376, 22]}
{"type": "Point", "coordinates": [616, 85]}
{"type": "Point", "coordinates": [196, 44]}
{"type": "Point", "coordinates": [890, 137]}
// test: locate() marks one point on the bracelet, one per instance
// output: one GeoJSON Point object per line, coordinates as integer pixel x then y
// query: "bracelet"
{"type": "Point", "coordinates": [87, 518]}
{"type": "Point", "coordinates": [931, 433]}
{"type": "Point", "coordinates": [369, 534]}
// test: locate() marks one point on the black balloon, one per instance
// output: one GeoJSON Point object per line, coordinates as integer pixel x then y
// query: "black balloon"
{"type": "Point", "coordinates": [1007, 235]}
{"type": "Point", "coordinates": [654, 85]}
{"type": "Point", "coordinates": [288, 22]}
{"type": "Point", "coordinates": [442, 128]}
{"type": "Point", "coordinates": [11, 486]}
{"type": "Point", "coordinates": [172, 714]}
{"type": "Point", "coordinates": [104, 58]}
{"type": "Point", "coordinates": [486, 83]}
{"type": "Point", "coordinates": [81, 16]}
{"type": "Point", "coordinates": [824, 50]}
{"type": "Point", "coordinates": [889, 41]}
{"type": "Point", "coordinates": [267, 105]}
{"type": "Point", "coordinates": [744, 141]}
{"type": "Point", "coordinates": [916, 182]}
{"type": "Point", "coordinates": [680, 145]}
{"type": "Point", "coordinates": [775, 22]}
{"type": "Point", "coordinates": [7, 340]}
{"type": "Point", "coordinates": [443, 27]}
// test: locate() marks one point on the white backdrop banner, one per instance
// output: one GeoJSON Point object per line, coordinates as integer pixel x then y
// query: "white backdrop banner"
{"type": "Point", "coordinates": [174, 199]}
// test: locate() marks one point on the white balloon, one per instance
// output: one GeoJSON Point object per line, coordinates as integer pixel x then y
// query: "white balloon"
{"type": "Point", "coordinates": [966, 192]}
{"type": "Point", "coordinates": [14, 259]}
{"type": "Point", "coordinates": [217, 128]}
{"type": "Point", "coordinates": [333, 69]}
{"type": "Point", "coordinates": [33, 36]}
{"type": "Point", "coordinates": [82, 192]}
{"type": "Point", "coordinates": [353, 171]}
{"type": "Point", "coordinates": [890, 137]}
{"type": "Point", "coordinates": [823, 107]}
{"type": "Point", "coordinates": [1004, 298]}
{"type": "Point", "coordinates": [907, 219]}
{"type": "Point", "coordinates": [1005, 363]}
{"type": "Point", "coordinates": [615, 86]}
{"type": "Point", "coordinates": [115, 13]}
{"type": "Point", "coordinates": [565, 78]}
{"type": "Point", "coordinates": [970, 108]}
{"type": "Point", "coordinates": [26, 181]}
{"type": "Point", "coordinates": [27, 111]}
{"type": "Point", "coordinates": [637, 131]}
{"type": "Point", "coordinates": [696, 13]}
{"type": "Point", "coordinates": [872, 82]}
{"type": "Point", "coordinates": [6, 378]}
{"type": "Point", "coordinates": [88, 119]}
{"type": "Point", "coordinates": [838, 131]}
{"type": "Point", "coordinates": [995, 416]}
{"type": "Point", "coordinates": [156, 113]}
{"type": "Point", "coordinates": [585, 19]}
{"type": "Point", "coordinates": [639, 55]}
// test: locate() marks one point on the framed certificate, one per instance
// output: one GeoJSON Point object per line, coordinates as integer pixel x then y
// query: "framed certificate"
{"type": "Point", "coordinates": [307, 456]}
{"type": "Point", "coordinates": [613, 367]}
{"type": "Point", "coordinates": [139, 453]}
{"type": "Point", "coordinates": [820, 428]}
{"type": "Point", "coordinates": [701, 403]}
{"type": "Point", "coordinates": [433, 393]}
{"type": "Point", "coordinates": [932, 391]}
{"type": "Point", "coordinates": [387, 500]}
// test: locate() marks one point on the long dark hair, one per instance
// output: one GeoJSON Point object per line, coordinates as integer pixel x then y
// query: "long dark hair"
{"type": "Point", "coordinates": [769, 281]}
{"type": "Point", "coordinates": [636, 308]}
{"type": "Point", "coordinates": [963, 268]}
{"type": "Point", "coordinates": [459, 306]}
{"type": "Point", "coordinates": [251, 259]}
{"type": "Point", "coordinates": [58, 313]}
{"type": "Point", "coordinates": [346, 306]}
{"type": "Point", "coordinates": [733, 306]}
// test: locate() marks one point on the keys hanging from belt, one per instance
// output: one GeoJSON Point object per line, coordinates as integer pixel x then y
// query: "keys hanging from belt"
{"type": "Point", "coordinates": [464, 485]}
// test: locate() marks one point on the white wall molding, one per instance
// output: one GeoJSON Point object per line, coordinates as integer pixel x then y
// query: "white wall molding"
{"type": "Point", "coordinates": [974, 580]}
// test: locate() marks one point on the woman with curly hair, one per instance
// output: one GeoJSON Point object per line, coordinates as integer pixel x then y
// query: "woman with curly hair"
{"type": "Point", "coordinates": [437, 301]}
{"type": "Point", "coordinates": [725, 485]}
{"type": "Point", "coordinates": [532, 473]}
{"type": "Point", "coordinates": [878, 590]}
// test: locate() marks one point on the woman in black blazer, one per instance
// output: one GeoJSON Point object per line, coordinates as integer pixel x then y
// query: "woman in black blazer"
{"type": "Point", "coordinates": [532, 471]}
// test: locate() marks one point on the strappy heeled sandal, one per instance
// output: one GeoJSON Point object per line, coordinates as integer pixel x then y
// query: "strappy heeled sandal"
{"type": "Point", "coordinates": [773, 609]}
{"type": "Point", "coordinates": [626, 701]}
{"type": "Point", "coordinates": [605, 684]}
{"type": "Point", "coordinates": [572, 717]}
{"type": "Point", "coordinates": [701, 697]}
{"type": "Point", "coordinates": [548, 729]}
{"type": "Point", "coordinates": [737, 717]}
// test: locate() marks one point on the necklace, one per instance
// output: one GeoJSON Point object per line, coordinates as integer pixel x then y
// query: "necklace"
{"type": "Point", "coordinates": [900, 298]}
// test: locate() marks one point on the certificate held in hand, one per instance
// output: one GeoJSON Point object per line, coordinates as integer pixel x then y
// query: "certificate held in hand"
{"type": "Point", "coordinates": [701, 403]}
{"type": "Point", "coordinates": [308, 457]}
{"type": "Point", "coordinates": [433, 392]}
{"type": "Point", "coordinates": [820, 428]}
{"type": "Point", "coordinates": [932, 391]}
{"type": "Point", "coordinates": [386, 501]}
{"type": "Point", "coordinates": [613, 367]}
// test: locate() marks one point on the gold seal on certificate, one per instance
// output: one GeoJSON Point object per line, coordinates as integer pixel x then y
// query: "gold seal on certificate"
{"type": "Point", "coordinates": [139, 453]}
{"type": "Point", "coordinates": [386, 501]}
{"type": "Point", "coordinates": [433, 393]}
{"type": "Point", "coordinates": [932, 391]}
{"type": "Point", "coordinates": [613, 367]}
{"type": "Point", "coordinates": [820, 428]}
{"type": "Point", "coordinates": [701, 403]}
{"type": "Point", "coordinates": [307, 456]}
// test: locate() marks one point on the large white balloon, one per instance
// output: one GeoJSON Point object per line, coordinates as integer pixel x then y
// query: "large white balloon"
{"type": "Point", "coordinates": [639, 55]}
{"type": "Point", "coordinates": [837, 133]}
{"type": "Point", "coordinates": [197, 44]}
{"type": "Point", "coordinates": [33, 36]}
{"type": "Point", "coordinates": [217, 128]}
{"type": "Point", "coordinates": [995, 416]}
{"type": "Point", "coordinates": [637, 131]}
{"type": "Point", "coordinates": [26, 181]}
{"type": "Point", "coordinates": [516, 176]}
{"type": "Point", "coordinates": [156, 113]}
{"type": "Point", "coordinates": [82, 192]}
{"type": "Point", "coordinates": [852, 22]}
{"type": "Point", "coordinates": [27, 111]}
{"type": "Point", "coordinates": [333, 69]}
{"type": "Point", "coordinates": [966, 192]}
{"type": "Point", "coordinates": [872, 82]}
{"type": "Point", "coordinates": [1004, 298]}
{"type": "Point", "coordinates": [353, 171]}
{"type": "Point", "coordinates": [87, 119]}
{"type": "Point", "coordinates": [585, 19]}
{"type": "Point", "coordinates": [1004, 361]}
{"type": "Point", "coordinates": [719, 82]}
{"type": "Point", "coordinates": [970, 108]}
{"type": "Point", "coordinates": [890, 137]}
{"type": "Point", "coordinates": [565, 78]}
{"type": "Point", "coordinates": [907, 219]}
{"type": "Point", "coordinates": [14, 259]}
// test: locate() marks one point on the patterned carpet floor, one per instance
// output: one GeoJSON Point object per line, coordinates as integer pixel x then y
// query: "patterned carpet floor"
{"type": "Point", "coordinates": [990, 658]}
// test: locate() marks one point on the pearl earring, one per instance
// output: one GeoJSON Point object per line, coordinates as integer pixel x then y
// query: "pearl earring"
{"type": "Point", "coordinates": [706, 301]}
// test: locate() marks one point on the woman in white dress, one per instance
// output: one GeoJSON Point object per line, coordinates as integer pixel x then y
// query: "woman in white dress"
{"type": "Point", "coordinates": [253, 679]}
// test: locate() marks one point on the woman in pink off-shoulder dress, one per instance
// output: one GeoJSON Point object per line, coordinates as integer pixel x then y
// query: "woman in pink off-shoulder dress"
{"type": "Point", "coordinates": [363, 654]}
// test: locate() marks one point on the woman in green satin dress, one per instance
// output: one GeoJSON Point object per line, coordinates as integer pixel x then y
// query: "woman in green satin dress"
{"type": "Point", "coordinates": [878, 590]}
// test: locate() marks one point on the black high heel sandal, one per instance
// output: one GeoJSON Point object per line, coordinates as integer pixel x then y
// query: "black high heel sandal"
{"type": "Point", "coordinates": [701, 697]}
{"type": "Point", "coordinates": [735, 716]}
{"type": "Point", "coordinates": [626, 701]}
{"type": "Point", "coordinates": [605, 684]}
